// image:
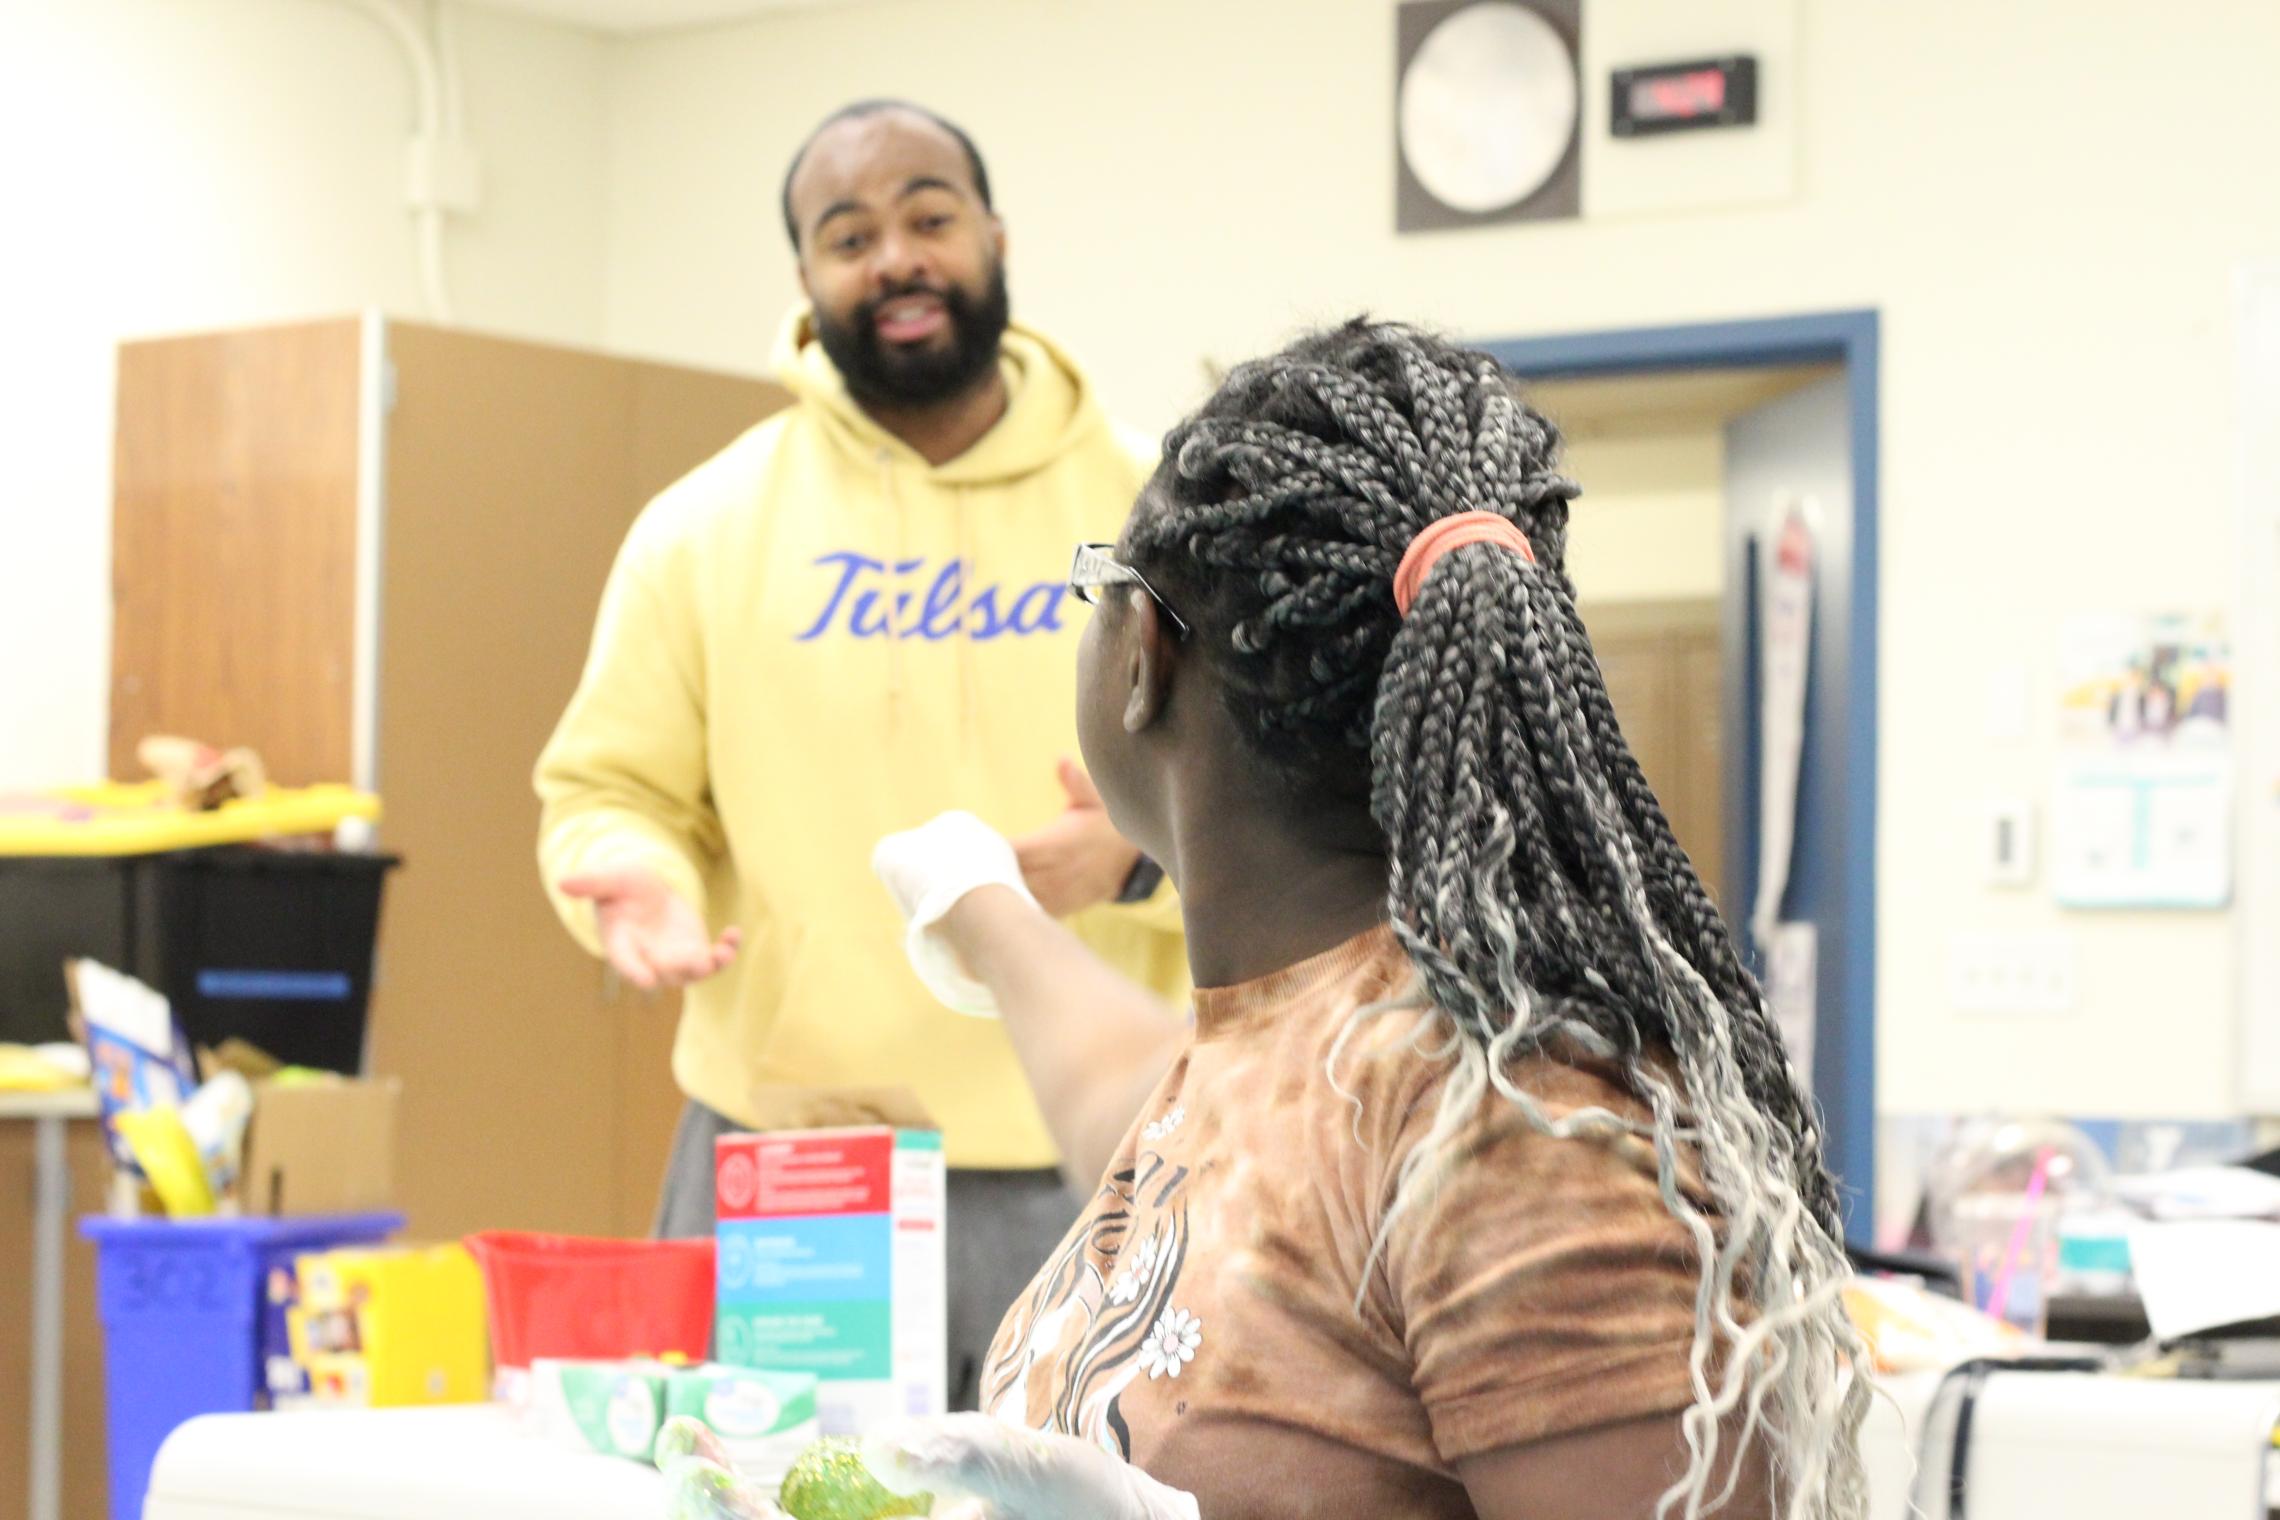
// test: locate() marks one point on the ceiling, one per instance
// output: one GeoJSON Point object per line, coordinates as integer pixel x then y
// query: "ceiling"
{"type": "Point", "coordinates": [1669, 401]}
{"type": "Point", "coordinates": [628, 17]}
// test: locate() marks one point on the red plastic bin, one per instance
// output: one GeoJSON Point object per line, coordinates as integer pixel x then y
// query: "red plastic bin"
{"type": "Point", "coordinates": [570, 1296]}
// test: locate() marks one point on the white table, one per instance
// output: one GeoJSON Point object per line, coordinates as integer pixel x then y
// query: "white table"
{"type": "Point", "coordinates": [50, 1115]}
{"type": "Point", "coordinates": [2090, 1448]}
{"type": "Point", "coordinates": [389, 1464]}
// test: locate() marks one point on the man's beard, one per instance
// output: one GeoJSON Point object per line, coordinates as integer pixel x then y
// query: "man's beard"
{"type": "Point", "coordinates": [883, 374]}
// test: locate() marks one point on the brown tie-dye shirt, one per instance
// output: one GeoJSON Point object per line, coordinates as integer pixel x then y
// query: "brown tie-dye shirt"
{"type": "Point", "coordinates": [1215, 1316]}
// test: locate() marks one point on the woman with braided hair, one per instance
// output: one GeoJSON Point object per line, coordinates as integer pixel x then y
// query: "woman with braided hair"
{"type": "Point", "coordinates": [1480, 1184]}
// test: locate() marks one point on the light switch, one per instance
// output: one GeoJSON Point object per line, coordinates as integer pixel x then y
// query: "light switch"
{"type": "Point", "coordinates": [2010, 842]}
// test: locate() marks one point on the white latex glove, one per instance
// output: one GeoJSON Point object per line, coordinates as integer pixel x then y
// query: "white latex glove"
{"type": "Point", "coordinates": [927, 870]}
{"type": "Point", "coordinates": [1016, 1474]}
{"type": "Point", "coordinates": [700, 1480]}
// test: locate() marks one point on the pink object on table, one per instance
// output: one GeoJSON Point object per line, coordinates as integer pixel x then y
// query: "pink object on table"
{"type": "Point", "coordinates": [2016, 1246]}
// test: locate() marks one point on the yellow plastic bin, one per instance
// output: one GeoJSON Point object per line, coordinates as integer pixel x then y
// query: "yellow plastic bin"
{"type": "Point", "coordinates": [139, 818]}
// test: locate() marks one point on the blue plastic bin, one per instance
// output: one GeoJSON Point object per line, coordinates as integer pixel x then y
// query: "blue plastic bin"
{"type": "Point", "coordinates": [180, 1302]}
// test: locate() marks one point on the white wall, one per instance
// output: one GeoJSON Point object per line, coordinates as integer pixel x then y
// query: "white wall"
{"type": "Point", "coordinates": [185, 164]}
{"type": "Point", "coordinates": [1191, 178]}
{"type": "Point", "coordinates": [1650, 525]}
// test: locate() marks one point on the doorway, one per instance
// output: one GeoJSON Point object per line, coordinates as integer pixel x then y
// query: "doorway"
{"type": "Point", "coordinates": [1693, 445]}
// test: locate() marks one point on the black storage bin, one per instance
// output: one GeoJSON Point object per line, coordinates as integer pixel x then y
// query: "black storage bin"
{"type": "Point", "coordinates": [272, 946]}
{"type": "Point", "coordinates": [53, 908]}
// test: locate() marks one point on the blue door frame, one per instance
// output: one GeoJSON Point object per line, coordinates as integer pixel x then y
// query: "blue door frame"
{"type": "Point", "coordinates": [1844, 1078]}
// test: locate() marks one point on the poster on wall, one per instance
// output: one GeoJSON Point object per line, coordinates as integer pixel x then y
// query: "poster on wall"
{"type": "Point", "coordinates": [2142, 809]}
{"type": "Point", "coordinates": [1792, 970]}
{"type": "Point", "coordinates": [1786, 615]}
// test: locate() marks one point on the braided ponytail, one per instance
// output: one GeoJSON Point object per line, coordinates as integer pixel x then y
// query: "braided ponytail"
{"type": "Point", "coordinates": [1533, 879]}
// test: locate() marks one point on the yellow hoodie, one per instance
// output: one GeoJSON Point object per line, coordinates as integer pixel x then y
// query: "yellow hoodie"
{"type": "Point", "coordinates": [816, 638]}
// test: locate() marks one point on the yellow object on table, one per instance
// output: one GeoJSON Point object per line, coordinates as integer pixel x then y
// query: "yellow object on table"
{"type": "Point", "coordinates": [24, 1069]}
{"type": "Point", "coordinates": [142, 818]}
{"type": "Point", "coordinates": [382, 1327]}
{"type": "Point", "coordinates": [169, 1158]}
{"type": "Point", "coordinates": [1910, 1329]}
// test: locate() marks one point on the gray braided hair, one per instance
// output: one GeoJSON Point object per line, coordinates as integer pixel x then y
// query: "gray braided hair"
{"type": "Point", "coordinates": [1534, 881]}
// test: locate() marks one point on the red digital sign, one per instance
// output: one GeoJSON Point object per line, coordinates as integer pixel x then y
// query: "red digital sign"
{"type": "Point", "coordinates": [1676, 97]}
{"type": "Point", "coordinates": [1699, 93]}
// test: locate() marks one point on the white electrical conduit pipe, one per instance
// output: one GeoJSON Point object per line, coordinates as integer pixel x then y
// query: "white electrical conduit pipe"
{"type": "Point", "coordinates": [453, 104]}
{"type": "Point", "coordinates": [453, 98]}
{"type": "Point", "coordinates": [428, 82]}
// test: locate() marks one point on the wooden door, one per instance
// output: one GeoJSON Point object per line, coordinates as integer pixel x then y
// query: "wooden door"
{"type": "Point", "coordinates": [1663, 662]}
{"type": "Point", "coordinates": [532, 1098]}
{"type": "Point", "coordinates": [234, 545]}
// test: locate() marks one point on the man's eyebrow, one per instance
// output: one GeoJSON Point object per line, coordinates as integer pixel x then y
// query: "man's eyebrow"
{"type": "Point", "coordinates": [929, 182]}
{"type": "Point", "coordinates": [836, 208]}
{"type": "Point", "coordinates": [910, 188]}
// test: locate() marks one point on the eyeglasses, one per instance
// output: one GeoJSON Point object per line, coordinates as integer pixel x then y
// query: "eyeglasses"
{"type": "Point", "coordinates": [1096, 568]}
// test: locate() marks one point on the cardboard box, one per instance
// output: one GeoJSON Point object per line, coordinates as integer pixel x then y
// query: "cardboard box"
{"type": "Point", "coordinates": [313, 1144]}
{"type": "Point", "coordinates": [831, 1260]}
{"type": "Point", "coordinates": [320, 1147]}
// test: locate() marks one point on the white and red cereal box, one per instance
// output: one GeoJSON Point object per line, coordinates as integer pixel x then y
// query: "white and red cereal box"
{"type": "Point", "coordinates": [831, 1262]}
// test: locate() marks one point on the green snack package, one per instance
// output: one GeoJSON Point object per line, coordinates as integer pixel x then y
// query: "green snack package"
{"type": "Point", "coordinates": [830, 1482]}
{"type": "Point", "coordinates": [762, 1420]}
{"type": "Point", "coordinates": [617, 1407]}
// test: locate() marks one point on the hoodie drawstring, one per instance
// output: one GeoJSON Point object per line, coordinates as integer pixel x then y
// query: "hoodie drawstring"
{"type": "Point", "coordinates": [886, 460]}
{"type": "Point", "coordinates": [969, 716]}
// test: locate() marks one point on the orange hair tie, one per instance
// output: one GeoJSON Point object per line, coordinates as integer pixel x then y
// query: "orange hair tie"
{"type": "Point", "coordinates": [1444, 534]}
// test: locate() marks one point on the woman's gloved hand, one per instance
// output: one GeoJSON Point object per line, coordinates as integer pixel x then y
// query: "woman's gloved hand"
{"type": "Point", "coordinates": [701, 1482]}
{"type": "Point", "coordinates": [927, 870]}
{"type": "Point", "coordinates": [985, 1469]}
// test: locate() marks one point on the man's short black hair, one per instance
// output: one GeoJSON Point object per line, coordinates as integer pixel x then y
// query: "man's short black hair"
{"type": "Point", "coordinates": [876, 108]}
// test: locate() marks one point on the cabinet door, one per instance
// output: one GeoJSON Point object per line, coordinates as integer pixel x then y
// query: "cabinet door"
{"type": "Point", "coordinates": [533, 1097]}
{"type": "Point", "coordinates": [234, 545]}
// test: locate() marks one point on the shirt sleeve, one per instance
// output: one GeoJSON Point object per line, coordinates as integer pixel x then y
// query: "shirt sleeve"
{"type": "Point", "coordinates": [624, 779]}
{"type": "Point", "coordinates": [1541, 1286]}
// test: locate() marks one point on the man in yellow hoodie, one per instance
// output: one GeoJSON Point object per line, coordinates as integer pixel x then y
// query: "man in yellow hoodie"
{"type": "Point", "coordinates": [852, 618]}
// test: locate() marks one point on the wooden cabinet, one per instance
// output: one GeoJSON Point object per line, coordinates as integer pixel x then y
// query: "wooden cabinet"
{"type": "Point", "coordinates": [1664, 668]}
{"type": "Point", "coordinates": [372, 550]}
{"type": "Point", "coordinates": [83, 1482]}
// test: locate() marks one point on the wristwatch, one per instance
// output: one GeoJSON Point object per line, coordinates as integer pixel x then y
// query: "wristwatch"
{"type": "Point", "coordinates": [1141, 885]}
